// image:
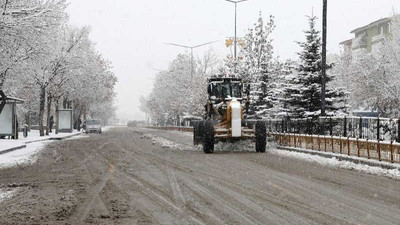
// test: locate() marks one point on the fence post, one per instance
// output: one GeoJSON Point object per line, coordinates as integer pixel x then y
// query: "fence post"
{"type": "Point", "coordinates": [294, 140]}
{"type": "Point", "coordinates": [391, 151]}
{"type": "Point", "coordinates": [330, 126]}
{"type": "Point", "coordinates": [312, 142]}
{"type": "Point", "coordinates": [348, 145]}
{"type": "Point", "coordinates": [360, 128]}
{"type": "Point", "coordinates": [306, 141]}
{"type": "Point", "coordinates": [345, 127]}
{"type": "Point", "coordinates": [379, 150]}
{"type": "Point", "coordinates": [319, 143]}
{"type": "Point", "coordinates": [378, 129]}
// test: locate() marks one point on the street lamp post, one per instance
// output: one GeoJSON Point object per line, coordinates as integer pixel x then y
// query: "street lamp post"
{"type": "Point", "coordinates": [191, 52]}
{"type": "Point", "coordinates": [235, 41]}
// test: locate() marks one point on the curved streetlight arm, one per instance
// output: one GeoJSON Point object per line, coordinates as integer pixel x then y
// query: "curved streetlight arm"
{"type": "Point", "coordinates": [183, 46]}
{"type": "Point", "coordinates": [236, 1]}
{"type": "Point", "coordinates": [191, 51]}
{"type": "Point", "coordinates": [204, 44]}
{"type": "Point", "coordinates": [191, 47]}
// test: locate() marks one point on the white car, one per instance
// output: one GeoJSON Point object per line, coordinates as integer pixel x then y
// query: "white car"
{"type": "Point", "coordinates": [93, 126]}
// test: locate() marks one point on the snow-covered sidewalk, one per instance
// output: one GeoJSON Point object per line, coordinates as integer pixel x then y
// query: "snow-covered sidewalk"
{"type": "Point", "coordinates": [11, 145]}
{"type": "Point", "coordinates": [22, 156]}
{"type": "Point", "coordinates": [34, 136]}
{"type": "Point", "coordinates": [16, 152]}
{"type": "Point", "coordinates": [7, 145]}
{"type": "Point", "coordinates": [22, 151]}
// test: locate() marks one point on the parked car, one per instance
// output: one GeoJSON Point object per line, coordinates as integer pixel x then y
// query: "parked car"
{"type": "Point", "coordinates": [93, 126]}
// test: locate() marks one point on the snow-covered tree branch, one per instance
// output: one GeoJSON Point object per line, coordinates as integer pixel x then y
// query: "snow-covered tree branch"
{"type": "Point", "coordinates": [45, 61]}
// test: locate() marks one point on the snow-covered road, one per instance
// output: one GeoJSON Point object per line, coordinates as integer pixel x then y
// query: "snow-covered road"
{"type": "Point", "coordinates": [184, 141]}
{"type": "Point", "coordinates": [126, 176]}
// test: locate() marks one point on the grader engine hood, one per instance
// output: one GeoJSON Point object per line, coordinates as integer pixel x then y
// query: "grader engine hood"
{"type": "Point", "coordinates": [235, 109]}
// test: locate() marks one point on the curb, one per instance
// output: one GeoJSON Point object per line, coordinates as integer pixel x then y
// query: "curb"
{"type": "Point", "coordinates": [12, 149]}
{"type": "Point", "coordinates": [53, 138]}
{"type": "Point", "coordinates": [65, 137]}
{"type": "Point", "coordinates": [383, 165]}
{"type": "Point", "coordinates": [29, 142]}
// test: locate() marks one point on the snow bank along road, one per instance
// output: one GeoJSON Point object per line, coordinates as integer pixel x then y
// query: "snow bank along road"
{"type": "Point", "coordinates": [121, 177]}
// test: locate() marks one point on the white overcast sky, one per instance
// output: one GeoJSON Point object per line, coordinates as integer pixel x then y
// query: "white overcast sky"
{"type": "Point", "coordinates": [131, 33]}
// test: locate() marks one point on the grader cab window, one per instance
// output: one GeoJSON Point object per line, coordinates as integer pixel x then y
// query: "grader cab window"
{"type": "Point", "coordinates": [227, 89]}
{"type": "Point", "coordinates": [218, 90]}
{"type": "Point", "coordinates": [236, 90]}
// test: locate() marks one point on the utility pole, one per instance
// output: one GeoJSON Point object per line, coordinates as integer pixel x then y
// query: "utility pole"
{"type": "Point", "coordinates": [191, 52]}
{"type": "Point", "coordinates": [324, 39]}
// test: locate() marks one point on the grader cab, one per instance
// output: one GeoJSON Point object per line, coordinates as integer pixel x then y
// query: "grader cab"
{"type": "Point", "coordinates": [224, 116]}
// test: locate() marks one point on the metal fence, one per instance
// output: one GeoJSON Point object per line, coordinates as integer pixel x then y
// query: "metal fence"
{"type": "Point", "coordinates": [370, 128]}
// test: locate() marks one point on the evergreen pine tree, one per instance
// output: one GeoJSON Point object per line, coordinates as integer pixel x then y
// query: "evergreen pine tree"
{"type": "Point", "coordinates": [285, 87]}
{"type": "Point", "coordinates": [270, 90]}
{"type": "Point", "coordinates": [304, 97]}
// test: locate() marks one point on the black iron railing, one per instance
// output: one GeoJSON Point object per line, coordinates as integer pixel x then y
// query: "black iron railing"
{"type": "Point", "coordinates": [371, 128]}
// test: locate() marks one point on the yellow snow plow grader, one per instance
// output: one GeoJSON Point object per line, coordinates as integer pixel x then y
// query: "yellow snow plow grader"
{"type": "Point", "coordinates": [224, 116]}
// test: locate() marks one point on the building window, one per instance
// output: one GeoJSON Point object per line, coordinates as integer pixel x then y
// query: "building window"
{"type": "Point", "coordinates": [381, 30]}
{"type": "Point", "coordinates": [389, 28]}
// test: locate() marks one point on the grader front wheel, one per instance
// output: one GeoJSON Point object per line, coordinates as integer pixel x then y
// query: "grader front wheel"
{"type": "Point", "coordinates": [196, 140]}
{"type": "Point", "coordinates": [198, 133]}
{"type": "Point", "coordinates": [208, 144]}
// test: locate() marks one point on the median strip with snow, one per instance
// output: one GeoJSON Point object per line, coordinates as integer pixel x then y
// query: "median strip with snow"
{"type": "Point", "coordinates": [336, 163]}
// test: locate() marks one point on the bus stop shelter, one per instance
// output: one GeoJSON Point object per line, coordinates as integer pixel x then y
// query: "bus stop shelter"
{"type": "Point", "coordinates": [64, 121]}
{"type": "Point", "coordinates": [8, 116]}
